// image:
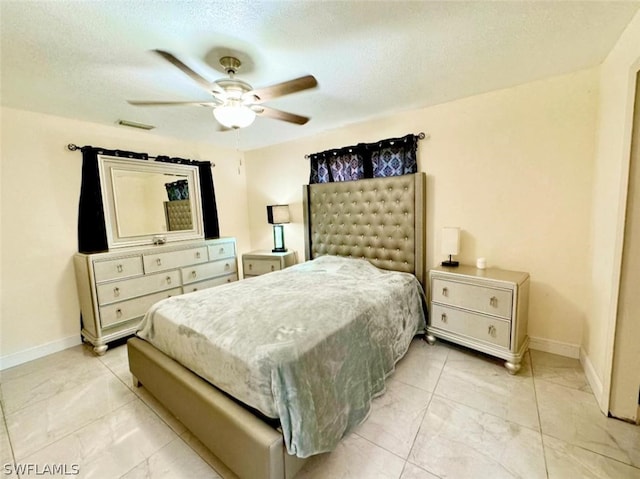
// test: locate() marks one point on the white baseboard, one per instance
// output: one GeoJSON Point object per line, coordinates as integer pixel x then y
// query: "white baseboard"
{"type": "Point", "coordinates": [15, 359]}
{"type": "Point", "coordinates": [594, 381]}
{"type": "Point", "coordinates": [568, 350]}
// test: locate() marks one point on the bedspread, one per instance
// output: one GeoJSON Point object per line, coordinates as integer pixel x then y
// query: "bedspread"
{"type": "Point", "coordinates": [311, 344]}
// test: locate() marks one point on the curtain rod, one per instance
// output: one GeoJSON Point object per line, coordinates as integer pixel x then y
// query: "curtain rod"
{"type": "Point", "coordinates": [420, 136]}
{"type": "Point", "coordinates": [72, 147]}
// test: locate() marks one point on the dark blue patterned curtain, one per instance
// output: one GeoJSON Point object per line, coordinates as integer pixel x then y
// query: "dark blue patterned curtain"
{"type": "Point", "coordinates": [394, 157]}
{"type": "Point", "coordinates": [390, 157]}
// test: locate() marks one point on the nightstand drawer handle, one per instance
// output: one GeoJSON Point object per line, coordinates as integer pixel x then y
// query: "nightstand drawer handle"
{"type": "Point", "coordinates": [227, 266]}
{"type": "Point", "coordinates": [118, 313]}
{"type": "Point", "coordinates": [194, 274]}
{"type": "Point", "coordinates": [492, 331]}
{"type": "Point", "coordinates": [119, 268]}
{"type": "Point", "coordinates": [445, 292]}
{"type": "Point", "coordinates": [493, 301]}
{"type": "Point", "coordinates": [168, 279]}
{"type": "Point", "coordinates": [158, 261]}
{"type": "Point", "coordinates": [221, 250]}
{"type": "Point", "coordinates": [197, 254]}
{"type": "Point", "coordinates": [443, 318]}
{"type": "Point", "coordinates": [273, 268]}
{"type": "Point", "coordinates": [116, 292]}
{"type": "Point", "coordinates": [250, 266]}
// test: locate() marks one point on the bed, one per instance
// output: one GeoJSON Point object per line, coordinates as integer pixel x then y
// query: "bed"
{"type": "Point", "coordinates": [349, 228]}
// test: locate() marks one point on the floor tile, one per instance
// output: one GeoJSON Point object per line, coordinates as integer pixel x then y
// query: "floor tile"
{"type": "Point", "coordinates": [53, 362]}
{"type": "Point", "coordinates": [354, 458]}
{"type": "Point", "coordinates": [43, 423]}
{"type": "Point", "coordinates": [176, 460]}
{"type": "Point", "coordinates": [395, 417]}
{"type": "Point", "coordinates": [27, 386]}
{"type": "Point", "coordinates": [574, 416]}
{"type": "Point", "coordinates": [567, 461]}
{"type": "Point", "coordinates": [483, 383]}
{"type": "Point", "coordinates": [111, 446]}
{"type": "Point", "coordinates": [559, 370]}
{"type": "Point", "coordinates": [461, 442]}
{"type": "Point", "coordinates": [6, 454]}
{"type": "Point", "coordinates": [422, 365]}
{"type": "Point", "coordinates": [414, 472]}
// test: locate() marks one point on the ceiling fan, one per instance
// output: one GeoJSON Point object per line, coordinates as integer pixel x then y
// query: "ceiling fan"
{"type": "Point", "coordinates": [235, 103]}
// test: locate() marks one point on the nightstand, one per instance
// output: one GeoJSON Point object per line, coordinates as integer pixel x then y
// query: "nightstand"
{"type": "Point", "coordinates": [256, 263]}
{"type": "Point", "coordinates": [483, 309]}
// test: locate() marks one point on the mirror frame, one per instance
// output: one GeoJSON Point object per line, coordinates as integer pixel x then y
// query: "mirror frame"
{"type": "Point", "coordinates": [107, 165]}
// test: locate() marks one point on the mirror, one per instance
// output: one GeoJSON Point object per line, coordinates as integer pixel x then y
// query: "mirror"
{"type": "Point", "coordinates": [147, 202]}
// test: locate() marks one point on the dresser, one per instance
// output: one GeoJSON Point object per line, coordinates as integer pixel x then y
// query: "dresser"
{"type": "Point", "coordinates": [256, 263]}
{"type": "Point", "coordinates": [483, 309]}
{"type": "Point", "coordinates": [116, 288]}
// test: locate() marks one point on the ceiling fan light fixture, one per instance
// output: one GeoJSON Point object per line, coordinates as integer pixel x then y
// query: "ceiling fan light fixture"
{"type": "Point", "coordinates": [234, 115]}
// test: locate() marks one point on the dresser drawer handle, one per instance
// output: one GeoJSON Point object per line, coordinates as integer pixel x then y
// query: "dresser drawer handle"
{"type": "Point", "coordinates": [119, 268]}
{"type": "Point", "coordinates": [228, 280]}
{"type": "Point", "coordinates": [493, 301]}
{"type": "Point", "coordinates": [221, 250]}
{"type": "Point", "coordinates": [168, 279]}
{"type": "Point", "coordinates": [273, 268]}
{"type": "Point", "coordinates": [197, 254]}
{"type": "Point", "coordinates": [227, 266]}
{"type": "Point", "coordinates": [445, 292]}
{"type": "Point", "coordinates": [158, 261]}
{"type": "Point", "coordinates": [492, 331]}
{"type": "Point", "coordinates": [194, 274]}
{"type": "Point", "coordinates": [250, 266]}
{"type": "Point", "coordinates": [116, 291]}
{"type": "Point", "coordinates": [195, 289]}
{"type": "Point", "coordinates": [443, 318]}
{"type": "Point", "coordinates": [118, 313]}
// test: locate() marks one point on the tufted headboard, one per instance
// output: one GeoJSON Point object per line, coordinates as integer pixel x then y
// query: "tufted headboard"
{"type": "Point", "coordinates": [379, 219]}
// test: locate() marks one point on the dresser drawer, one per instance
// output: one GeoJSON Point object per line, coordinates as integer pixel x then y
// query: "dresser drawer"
{"type": "Point", "coordinates": [474, 326]}
{"type": "Point", "coordinates": [484, 299]}
{"type": "Point", "coordinates": [130, 288]}
{"type": "Point", "coordinates": [174, 259]}
{"type": "Point", "coordinates": [133, 308]}
{"type": "Point", "coordinates": [257, 266]}
{"type": "Point", "coordinates": [208, 270]}
{"type": "Point", "coordinates": [117, 268]}
{"type": "Point", "coordinates": [210, 283]}
{"type": "Point", "coordinates": [220, 250]}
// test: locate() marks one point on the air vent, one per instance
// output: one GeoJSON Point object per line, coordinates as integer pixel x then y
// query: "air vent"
{"type": "Point", "coordinates": [133, 124]}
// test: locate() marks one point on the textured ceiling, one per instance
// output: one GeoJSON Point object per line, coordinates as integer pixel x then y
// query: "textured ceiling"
{"type": "Point", "coordinates": [84, 59]}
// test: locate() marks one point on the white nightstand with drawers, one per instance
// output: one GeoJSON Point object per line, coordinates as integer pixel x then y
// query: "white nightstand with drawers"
{"type": "Point", "coordinates": [483, 309]}
{"type": "Point", "coordinates": [256, 263]}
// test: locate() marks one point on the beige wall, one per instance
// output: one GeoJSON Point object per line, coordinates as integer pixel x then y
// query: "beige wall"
{"type": "Point", "coordinates": [512, 168]}
{"type": "Point", "coordinates": [617, 80]}
{"type": "Point", "coordinates": [40, 187]}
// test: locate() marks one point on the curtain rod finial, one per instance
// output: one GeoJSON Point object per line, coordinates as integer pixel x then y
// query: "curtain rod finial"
{"type": "Point", "coordinates": [72, 147]}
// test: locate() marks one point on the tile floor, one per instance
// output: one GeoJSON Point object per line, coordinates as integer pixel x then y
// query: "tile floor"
{"type": "Point", "coordinates": [447, 413]}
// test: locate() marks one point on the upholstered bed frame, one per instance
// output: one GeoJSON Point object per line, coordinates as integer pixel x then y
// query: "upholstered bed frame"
{"type": "Point", "coordinates": [381, 220]}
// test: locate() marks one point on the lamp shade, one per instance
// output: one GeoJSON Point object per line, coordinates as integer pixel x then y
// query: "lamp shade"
{"type": "Point", "coordinates": [234, 115]}
{"type": "Point", "coordinates": [278, 214]}
{"type": "Point", "coordinates": [450, 241]}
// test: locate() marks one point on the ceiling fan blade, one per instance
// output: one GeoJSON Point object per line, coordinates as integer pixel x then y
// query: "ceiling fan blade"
{"type": "Point", "coordinates": [173, 103]}
{"type": "Point", "coordinates": [281, 115]}
{"type": "Point", "coordinates": [284, 88]}
{"type": "Point", "coordinates": [207, 85]}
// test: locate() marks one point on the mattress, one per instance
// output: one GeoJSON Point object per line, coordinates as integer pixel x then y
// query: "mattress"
{"type": "Point", "coordinates": [311, 344]}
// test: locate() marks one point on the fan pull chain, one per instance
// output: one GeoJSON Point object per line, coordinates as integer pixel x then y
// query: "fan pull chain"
{"type": "Point", "coordinates": [238, 149]}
